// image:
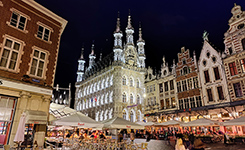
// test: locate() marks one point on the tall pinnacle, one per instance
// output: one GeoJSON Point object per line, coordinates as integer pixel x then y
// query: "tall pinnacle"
{"type": "Point", "coordinates": [129, 21]}
{"type": "Point", "coordinates": [92, 49]}
{"type": "Point", "coordinates": [82, 57]}
{"type": "Point", "coordinates": [118, 23]}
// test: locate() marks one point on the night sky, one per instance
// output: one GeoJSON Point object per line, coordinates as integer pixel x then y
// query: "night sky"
{"type": "Point", "coordinates": [166, 26]}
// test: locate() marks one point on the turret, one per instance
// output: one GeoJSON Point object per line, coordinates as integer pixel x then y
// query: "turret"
{"type": "Point", "coordinates": [81, 63]}
{"type": "Point", "coordinates": [117, 49]}
{"type": "Point", "coordinates": [129, 32]}
{"type": "Point", "coordinates": [141, 49]}
{"type": "Point", "coordinates": [91, 57]}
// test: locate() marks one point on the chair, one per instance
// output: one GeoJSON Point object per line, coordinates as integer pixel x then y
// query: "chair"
{"type": "Point", "coordinates": [6, 147]}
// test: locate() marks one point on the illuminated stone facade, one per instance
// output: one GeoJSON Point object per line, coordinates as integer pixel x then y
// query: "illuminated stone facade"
{"type": "Point", "coordinates": [114, 85]}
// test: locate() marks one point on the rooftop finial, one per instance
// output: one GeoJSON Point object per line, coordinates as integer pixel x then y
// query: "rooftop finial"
{"type": "Point", "coordinates": [234, 4]}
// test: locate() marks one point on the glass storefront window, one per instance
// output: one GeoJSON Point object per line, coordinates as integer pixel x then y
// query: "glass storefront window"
{"type": "Point", "coordinates": [7, 106]}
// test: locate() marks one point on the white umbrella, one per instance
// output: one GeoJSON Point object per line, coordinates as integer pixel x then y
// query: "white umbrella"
{"type": "Point", "coordinates": [201, 122]}
{"type": "Point", "coordinates": [141, 123]}
{"type": "Point", "coordinates": [169, 123]}
{"type": "Point", "coordinates": [150, 123]}
{"type": "Point", "coordinates": [120, 123]}
{"type": "Point", "coordinates": [19, 136]}
{"type": "Point", "coordinates": [78, 119]}
{"type": "Point", "coordinates": [235, 122]}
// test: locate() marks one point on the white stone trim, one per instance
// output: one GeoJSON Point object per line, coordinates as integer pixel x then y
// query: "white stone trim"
{"type": "Point", "coordinates": [47, 12]}
{"type": "Point", "coordinates": [20, 86]}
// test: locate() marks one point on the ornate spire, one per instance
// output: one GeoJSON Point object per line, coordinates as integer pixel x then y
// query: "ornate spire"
{"type": "Point", "coordinates": [92, 49]}
{"type": "Point", "coordinates": [118, 23]}
{"type": "Point", "coordinates": [82, 57]}
{"type": "Point", "coordinates": [140, 33]}
{"type": "Point", "coordinates": [129, 21]}
{"type": "Point", "coordinates": [205, 36]}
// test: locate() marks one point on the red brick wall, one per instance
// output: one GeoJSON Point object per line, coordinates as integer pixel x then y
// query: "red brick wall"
{"type": "Point", "coordinates": [29, 39]}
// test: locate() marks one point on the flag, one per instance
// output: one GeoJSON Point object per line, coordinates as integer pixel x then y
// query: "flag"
{"type": "Point", "coordinates": [95, 99]}
{"type": "Point", "coordinates": [91, 99]}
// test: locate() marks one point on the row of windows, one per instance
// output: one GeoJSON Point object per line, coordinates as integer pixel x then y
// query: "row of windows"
{"type": "Point", "coordinates": [100, 85]}
{"type": "Point", "coordinates": [131, 82]}
{"type": "Point", "coordinates": [100, 100]}
{"type": "Point", "coordinates": [131, 98]}
{"type": "Point", "coordinates": [152, 101]}
{"type": "Point", "coordinates": [190, 102]}
{"type": "Point", "coordinates": [101, 116]}
{"type": "Point", "coordinates": [151, 88]}
{"type": "Point", "coordinates": [167, 86]}
{"type": "Point", "coordinates": [188, 84]}
{"type": "Point", "coordinates": [233, 68]}
{"type": "Point", "coordinates": [169, 103]}
{"type": "Point", "coordinates": [10, 56]}
{"type": "Point", "coordinates": [19, 21]}
{"type": "Point", "coordinates": [219, 91]}
{"type": "Point", "coordinates": [216, 74]}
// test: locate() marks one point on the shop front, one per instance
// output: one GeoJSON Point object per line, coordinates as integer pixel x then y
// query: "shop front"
{"type": "Point", "coordinates": [7, 111]}
{"type": "Point", "coordinates": [35, 128]}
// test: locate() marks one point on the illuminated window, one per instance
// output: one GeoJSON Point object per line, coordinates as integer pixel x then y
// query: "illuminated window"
{"type": "Point", "coordinates": [124, 99]}
{"type": "Point", "coordinates": [243, 65]}
{"type": "Point", "coordinates": [233, 69]}
{"type": "Point", "coordinates": [10, 54]}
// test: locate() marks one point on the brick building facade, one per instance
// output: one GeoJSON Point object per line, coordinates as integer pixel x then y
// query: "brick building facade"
{"type": "Point", "coordinates": [29, 45]}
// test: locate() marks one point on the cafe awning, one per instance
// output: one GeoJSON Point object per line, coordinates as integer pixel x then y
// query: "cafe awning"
{"type": "Point", "coordinates": [169, 123]}
{"type": "Point", "coordinates": [201, 122]}
{"type": "Point", "coordinates": [120, 123]}
{"type": "Point", "coordinates": [236, 122]}
{"type": "Point", "coordinates": [36, 117]}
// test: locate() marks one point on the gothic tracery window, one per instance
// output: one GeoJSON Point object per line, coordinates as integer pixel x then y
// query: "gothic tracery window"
{"type": "Point", "coordinates": [131, 98]}
{"type": "Point", "coordinates": [124, 99]}
{"type": "Point", "coordinates": [131, 82]}
{"type": "Point", "coordinates": [124, 81]}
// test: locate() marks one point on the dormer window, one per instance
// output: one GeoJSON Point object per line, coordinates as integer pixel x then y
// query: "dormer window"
{"type": "Point", "coordinates": [185, 70]}
{"type": "Point", "coordinates": [230, 50]}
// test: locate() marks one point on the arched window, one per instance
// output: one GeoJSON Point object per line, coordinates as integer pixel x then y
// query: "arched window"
{"type": "Point", "coordinates": [111, 80]}
{"type": "Point", "coordinates": [138, 83]}
{"type": "Point", "coordinates": [111, 97]}
{"type": "Point", "coordinates": [102, 99]}
{"type": "Point", "coordinates": [243, 44]}
{"type": "Point", "coordinates": [84, 92]}
{"type": "Point", "coordinates": [98, 86]}
{"type": "Point", "coordinates": [101, 116]}
{"type": "Point", "coordinates": [91, 88]}
{"type": "Point", "coordinates": [131, 98]}
{"type": "Point", "coordinates": [124, 115]}
{"type": "Point", "coordinates": [105, 115]}
{"type": "Point", "coordinates": [131, 82]}
{"type": "Point", "coordinates": [98, 100]}
{"type": "Point", "coordinates": [132, 116]}
{"type": "Point", "coordinates": [88, 90]}
{"type": "Point", "coordinates": [124, 99]}
{"type": "Point", "coordinates": [138, 99]}
{"type": "Point", "coordinates": [95, 87]}
{"type": "Point", "coordinates": [139, 116]}
{"type": "Point", "coordinates": [107, 82]}
{"type": "Point", "coordinates": [106, 98]}
{"type": "Point", "coordinates": [103, 84]}
{"type": "Point", "coordinates": [124, 81]}
{"type": "Point", "coordinates": [97, 116]}
{"type": "Point", "coordinates": [110, 113]}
